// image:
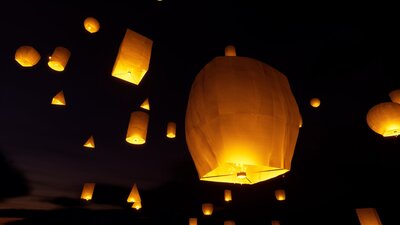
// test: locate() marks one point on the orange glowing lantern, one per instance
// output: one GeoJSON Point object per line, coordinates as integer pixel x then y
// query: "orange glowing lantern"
{"type": "Point", "coordinates": [89, 143]}
{"type": "Point", "coordinates": [145, 104]}
{"type": "Point", "coordinates": [59, 59]}
{"type": "Point", "coordinates": [27, 56]}
{"type": "Point", "coordinates": [207, 209]}
{"type": "Point", "coordinates": [275, 222]}
{"type": "Point", "coordinates": [137, 130]}
{"type": "Point", "coordinates": [368, 216]}
{"type": "Point", "coordinates": [395, 96]}
{"type": "Point", "coordinates": [230, 50]}
{"type": "Point", "coordinates": [280, 195]}
{"type": "Point", "coordinates": [171, 130]}
{"type": "Point", "coordinates": [137, 205]}
{"type": "Point", "coordinates": [133, 57]}
{"type": "Point", "coordinates": [87, 192]}
{"type": "Point", "coordinates": [242, 121]}
{"type": "Point", "coordinates": [315, 102]}
{"type": "Point", "coordinates": [58, 99]}
{"type": "Point", "coordinates": [134, 195]}
{"type": "Point", "coordinates": [192, 221]}
{"type": "Point", "coordinates": [229, 222]}
{"type": "Point", "coordinates": [384, 119]}
{"type": "Point", "coordinates": [91, 24]}
{"type": "Point", "coordinates": [228, 195]}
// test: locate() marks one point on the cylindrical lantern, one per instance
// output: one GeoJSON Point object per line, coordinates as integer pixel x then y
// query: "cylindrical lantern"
{"type": "Point", "coordinates": [207, 209]}
{"type": "Point", "coordinates": [275, 222]}
{"type": "Point", "coordinates": [91, 25]}
{"type": "Point", "coordinates": [58, 99]}
{"type": "Point", "coordinates": [229, 222]}
{"type": "Point", "coordinates": [89, 143]}
{"type": "Point", "coordinates": [315, 102]}
{"type": "Point", "coordinates": [368, 216]}
{"type": "Point", "coordinates": [242, 121]}
{"type": "Point", "coordinates": [27, 56]}
{"type": "Point", "coordinates": [59, 59]}
{"type": "Point", "coordinates": [280, 195]}
{"type": "Point", "coordinates": [87, 192]}
{"type": "Point", "coordinates": [133, 57]}
{"type": "Point", "coordinates": [137, 130]}
{"type": "Point", "coordinates": [228, 195]}
{"type": "Point", "coordinates": [192, 221]}
{"type": "Point", "coordinates": [230, 50]}
{"type": "Point", "coordinates": [395, 96]}
{"type": "Point", "coordinates": [137, 205]}
{"type": "Point", "coordinates": [171, 130]}
{"type": "Point", "coordinates": [384, 119]}
{"type": "Point", "coordinates": [134, 195]}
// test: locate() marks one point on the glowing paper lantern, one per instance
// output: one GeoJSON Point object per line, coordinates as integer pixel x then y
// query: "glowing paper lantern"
{"type": "Point", "coordinates": [229, 222]}
{"type": "Point", "coordinates": [59, 59]}
{"type": "Point", "coordinates": [280, 195]}
{"type": "Point", "coordinates": [58, 99]}
{"type": "Point", "coordinates": [133, 57]}
{"type": "Point", "coordinates": [87, 192]}
{"type": "Point", "coordinates": [137, 205]}
{"type": "Point", "coordinates": [395, 96]}
{"type": "Point", "coordinates": [207, 209]}
{"type": "Point", "coordinates": [384, 119]}
{"type": "Point", "coordinates": [315, 102]}
{"type": "Point", "coordinates": [171, 130]}
{"type": "Point", "coordinates": [230, 50]}
{"type": "Point", "coordinates": [228, 195]}
{"type": "Point", "coordinates": [89, 143]}
{"type": "Point", "coordinates": [192, 221]}
{"type": "Point", "coordinates": [368, 216]}
{"type": "Point", "coordinates": [27, 56]}
{"type": "Point", "coordinates": [134, 195]}
{"type": "Point", "coordinates": [91, 25]}
{"type": "Point", "coordinates": [242, 121]}
{"type": "Point", "coordinates": [275, 222]}
{"type": "Point", "coordinates": [145, 104]}
{"type": "Point", "coordinates": [137, 130]}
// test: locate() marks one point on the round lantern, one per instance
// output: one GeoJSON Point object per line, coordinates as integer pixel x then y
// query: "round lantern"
{"type": "Point", "coordinates": [27, 56]}
{"type": "Point", "coordinates": [315, 102]}
{"type": "Point", "coordinates": [59, 59]}
{"type": "Point", "coordinates": [91, 25]}
{"type": "Point", "coordinates": [395, 96]}
{"type": "Point", "coordinates": [384, 119]}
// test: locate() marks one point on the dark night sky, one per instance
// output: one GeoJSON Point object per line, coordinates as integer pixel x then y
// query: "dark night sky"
{"type": "Point", "coordinates": [335, 53]}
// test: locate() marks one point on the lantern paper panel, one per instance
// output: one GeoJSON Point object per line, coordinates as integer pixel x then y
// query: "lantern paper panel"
{"type": "Point", "coordinates": [192, 221]}
{"type": "Point", "coordinates": [395, 96]}
{"type": "Point", "coordinates": [58, 99]}
{"type": "Point", "coordinates": [89, 143]}
{"type": "Point", "coordinates": [228, 195]}
{"type": "Point", "coordinates": [368, 216]}
{"type": "Point", "coordinates": [315, 102]}
{"type": "Point", "coordinates": [133, 57]}
{"type": "Point", "coordinates": [171, 130]}
{"type": "Point", "coordinates": [87, 192]}
{"type": "Point", "coordinates": [207, 208]}
{"type": "Point", "coordinates": [27, 56]}
{"type": "Point", "coordinates": [137, 129]}
{"type": "Point", "coordinates": [229, 222]}
{"type": "Point", "coordinates": [137, 205]}
{"type": "Point", "coordinates": [275, 222]}
{"type": "Point", "coordinates": [384, 119]}
{"type": "Point", "coordinates": [145, 104]}
{"type": "Point", "coordinates": [280, 195]}
{"type": "Point", "coordinates": [91, 24]}
{"type": "Point", "coordinates": [59, 59]}
{"type": "Point", "coordinates": [134, 195]}
{"type": "Point", "coordinates": [242, 121]}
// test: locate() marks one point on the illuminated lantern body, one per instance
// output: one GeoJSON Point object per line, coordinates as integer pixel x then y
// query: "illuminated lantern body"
{"type": "Point", "coordinates": [145, 104]}
{"type": "Point", "coordinates": [27, 56]}
{"type": "Point", "coordinates": [242, 121]}
{"type": "Point", "coordinates": [91, 25]}
{"type": "Point", "coordinates": [395, 96]}
{"type": "Point", "coordinates": [315, 102]}
{"type": "Point", "coordinates": [133, 57]}
{"type": "Point", "coordinates": [230, 50]}
{"type": "Point", "coordinates": [59, 59]}
{"type": "Point", "coordinates": [280, 195]}
{"type": "Point", "coordinates": [134, 195]}
{"type": "Point", "coordinates": [171, 130]}
{"type": "Point", "coordinates": [137, 205]}
{"type": "Point", "coordinates": [137, 130]}
{"type": "Point", "coordinates": [87, 192]}
{"type": "Point", "coordinates": [228, 195]}
{"type": "Point", "coordinates": [384, 119]}
{"type": "Point", "coordinates": [368, 216]}
{"type": "Point", "coordinates": [192, 221]}
{"type": "Point", "coordinates": [89, 143]}
{"type": "Point", "coordinates": [275, 222]}
{"type": "Point", "coordinates": [207, 209]}
{"type": "Point", "coordinates": [229, 222]}
{"type": "Point", "coordinates": [58, 99]}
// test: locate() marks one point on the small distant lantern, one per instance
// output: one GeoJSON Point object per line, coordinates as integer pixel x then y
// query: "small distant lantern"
{"type": "Point", "coordinates": [134, 195]}
{"type": "Point", "coordinates": [91, 24]}
{"type": "Point", "coordinates": [229, 222]}
{"type": "Point", "coordinates": [87, 192]}
{"type": "Point", "coordinates": [89, 143]}
{"type": "Point", "coordinates": [145, 104]}
{"type": "Point", "coordinates": [58, 99]}
{"type": "Point", "coordinates": [228, 195]}
{"type": "Point", "coordinates": [230, 50]}
{"type": "Point", "coordinates": [27, 56]}
{"type": "Point", "coordinates": [59, 59]}
{"type": "Point", "coordinates": [315, 102]}
{"type": "Point", "coordinates": [280, 195]}
{"type": "Point", "coordinates": [137, 130]}
{"type": "Point", "coordinates": [384, 119]}
{"type": "Point", "coordinates": [395, 96]}
{"type": "Point", "coordinates": [192, 221]}
{"type": "Point", "coordinates": [171, 130]}
{"type": "Point", "coordinates": [133, 57]}
{"type": "Point", "coordinates": [207, 209]}
{"type": "Point", "coordinates": [137, 205]}
{"type": "Point", "coordinates": [275, 222]}
{"type": "Point", "coordinates": [368, 216]}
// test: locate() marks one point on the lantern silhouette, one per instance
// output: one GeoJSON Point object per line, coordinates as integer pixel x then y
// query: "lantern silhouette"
{"type": "Point", "coordinates": [192, 221]}
{"type": "Point", "coordinates": [384, 119]}
{"type": "Point", "coordinates": [280, 195]}
{"type": "Point", "coordinates": [171, 130]}
{"type": "Point", "coordinates": [91, 24]}
{"type": "Point", "coordinates": [133, 57]}
{"type": "Point", "coordinates": [58, 99]}
{"type": "Point", "coordinates": [89, 143]}
{"type": "Point", "coordinates": [134, 195]}
{"type": "Point", "coordinates": [145, 104]}
{"type": "Point", "coordinates": [368, 216]}
{"type": "Point", "coordinates": [27, 56]}
{"type": "Point", "coordinates": [315, 102]}
{"type": "Point", "coordinates": [137, 130]}
{"type": "Point", "coordinates": [395, 96]}
{"type": "Point", "coordinates": [227, 195]}
{"type": "Point", "coordinates": [242, 121]}
{"type": "Point", "coordinates": [59, 59]}
{"type": "Point", "coordinates": [137, 205]}
{"type": "Point", "coordinates": [87, 192]}
{"type": "Point", "coordinates": [229, 222]}
{"type": "Point", "coordinates": [275, 222]}
{"type": "Point", "coordinates": [207, 209]}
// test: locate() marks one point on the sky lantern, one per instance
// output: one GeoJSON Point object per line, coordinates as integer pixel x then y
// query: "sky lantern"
{"type": "Point", "coordinates": [27, 56]}
{"type": "Point", "coordinates": [275, 222]}
{"type": "Point", "coordinates": [59, 59]}
{"type": "Point", "coordinates": [58, 99]}
{"type": "Point", "coordinates": [87, 192]}
{"type": "Point", "coordinates": [228, 195]}
{"type": "Point", "coordinates": [137, 205]}
{"type": "Point", "coordinates": [89, 143]}
{"type": "Point", "coordinates": [133, 57]}
{"type": "Point", "coordinates": [134, 195]}
{"type": "Point", "coordinates": [146, 104]}
{"type": "Point", "coordinates": [242, 121]}
{"type": "Point", "coordinates": [395, 96]}
{"type": "Point", "coordinates": [229, 222]}
{"type": "Point", "coordinates": [137, 130]}
{"type": "Point", "coordinates": [171, 130]}
{"type": "Point", "coordinates": [207, 209]}
{"type": "Point", "coordinates": [384, 119]}
{"type": "Point", "coordinates": [193, 221]}
{"type": "Point", "coordinates": [368, 216]}
{"type": "Point", "coordinates": [315, 102]}
{"type": "Point", "coordinates": [280, 195]}
{"type": "Point", "coordinates": [91, 24]}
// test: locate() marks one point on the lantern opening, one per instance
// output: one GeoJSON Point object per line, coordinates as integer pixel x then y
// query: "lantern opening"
{"type": "Point", "coordinates": [241, 175]}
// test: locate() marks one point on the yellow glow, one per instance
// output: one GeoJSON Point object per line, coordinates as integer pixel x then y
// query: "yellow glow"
{"type": "Point", "coordinates": [133, 57]}
{"type": "Point", "coordinates": [59, 59]}
{"type": "Point", "coordinates": [192, 221]}
{"type": "Point", "coordinates": [58, 99]}
{"type": "Point", "coordinates": [27, 56]}
{"type": "Point", "coordinates": [171, 130]}
{"type": "Point", "coordinates": [87, 192]}
{"type": "Point", "coordinates": [134, 195]}
{"type": "Point", "coordinates": [368, 216]}
{"type": "Point", "coordinates": [315, 102]}
{"type": "Point", "coordinates": [145, 104]}
{"type": "Point", "coordinates": [227, 195]}
{"type": "Point", "coordinates": [280, 195]}
{"type": "Point", "coordinates": [384, 119]}
{"type": "Point", "coordinates": [89, 143]}
{"type": "Point", "coordinates": [91, 24]}
{"type": "Point", "coordinates": [137, 130]}
{"type": "Point", "coordinates": [207, 209]}
{"type": "Point", "coordinates": [137, 205]}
